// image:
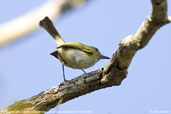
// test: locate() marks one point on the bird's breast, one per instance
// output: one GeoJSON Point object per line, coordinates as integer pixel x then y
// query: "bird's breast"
{"type": "Point", "coordinates": [76, 59]}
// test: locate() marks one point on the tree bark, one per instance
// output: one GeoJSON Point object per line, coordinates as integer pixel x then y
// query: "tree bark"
{"type": "Point", "coordinates": [111, 75]}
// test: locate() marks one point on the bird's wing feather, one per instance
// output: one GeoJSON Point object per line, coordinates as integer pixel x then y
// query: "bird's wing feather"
{"type": "Point", "coordinates": [78, 46]}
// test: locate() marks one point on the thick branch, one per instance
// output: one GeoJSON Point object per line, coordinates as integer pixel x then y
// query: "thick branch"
{"type": "Point", "coordinates": [111, 75]}
{"type": "Point", "coordinates": [131, 44]}
{"type": "Point", "coordinates": [25, 24]}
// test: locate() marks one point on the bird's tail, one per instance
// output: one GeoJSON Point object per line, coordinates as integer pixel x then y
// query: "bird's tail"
{"type": "Point", "coordinates": [47, 24]}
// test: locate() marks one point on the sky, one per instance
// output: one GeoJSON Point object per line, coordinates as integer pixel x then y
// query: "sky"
{"type": "Point", "coordinates": [26, 68]}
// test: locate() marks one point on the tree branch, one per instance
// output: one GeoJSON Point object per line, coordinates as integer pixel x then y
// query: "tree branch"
{"type": "Point", "coordinates": [111, 75]}
{"type": "Point", "coordinates": [169, 18]}
{"type": "Point", "coordinates": [16, 28]}
{"type": "Point", "coordinates": [131, 44]}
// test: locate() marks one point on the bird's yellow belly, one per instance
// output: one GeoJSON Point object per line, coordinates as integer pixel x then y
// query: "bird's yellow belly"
{"type": "Point", "coordinates": [75, 58]}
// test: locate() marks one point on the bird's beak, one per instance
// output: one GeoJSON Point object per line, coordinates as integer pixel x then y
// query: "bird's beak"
{"type": "Point", "coordinates": [54, 54]}
{"type": "Point", "coordinates": [104, 57]}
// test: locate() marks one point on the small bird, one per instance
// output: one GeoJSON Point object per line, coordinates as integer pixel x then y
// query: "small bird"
{"type": "Point", "coordinates": [72, 54]}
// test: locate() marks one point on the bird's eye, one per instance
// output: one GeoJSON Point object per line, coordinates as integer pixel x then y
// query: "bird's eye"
{"type": "Point", "coordinates": [96, 49]}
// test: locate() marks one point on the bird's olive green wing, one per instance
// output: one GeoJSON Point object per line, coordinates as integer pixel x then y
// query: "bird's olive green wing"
{"type": "Point", "coordinates": [79, 46]}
